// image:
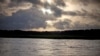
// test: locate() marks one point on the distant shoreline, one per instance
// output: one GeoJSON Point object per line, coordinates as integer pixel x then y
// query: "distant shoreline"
{"type": "Point", "coordinates": [76, 34]}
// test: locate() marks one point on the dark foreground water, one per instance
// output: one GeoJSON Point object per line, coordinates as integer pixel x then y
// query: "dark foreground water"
{"type": "Point", "coordinates": [48, 47]}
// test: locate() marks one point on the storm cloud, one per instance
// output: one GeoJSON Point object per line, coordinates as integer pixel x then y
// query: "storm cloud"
{"type": "Point", "coordinates": [49, 14]}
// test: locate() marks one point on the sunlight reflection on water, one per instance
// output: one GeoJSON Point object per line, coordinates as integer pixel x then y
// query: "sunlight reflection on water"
{"type": "Point", "coordinates": [48, 47]}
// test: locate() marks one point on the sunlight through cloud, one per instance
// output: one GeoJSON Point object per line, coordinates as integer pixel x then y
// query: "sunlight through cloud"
{"type": "Point", "coordinates": [47, 1]}
{"type": "Point", "coordinates": [46, 11]}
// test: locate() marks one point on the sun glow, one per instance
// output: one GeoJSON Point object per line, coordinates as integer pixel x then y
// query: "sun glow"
{"type": "Point", "coordinates": [47, 1]}
{"type": "Point", "coordinates": [50, 1]}
{"type": "Point", "coordinates": [49, 23]}
{"type": "Point", "coordinates": [46, 11]}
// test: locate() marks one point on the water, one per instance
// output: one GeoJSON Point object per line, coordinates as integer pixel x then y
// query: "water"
{"type": "Point", "coordinates": [48, 47]}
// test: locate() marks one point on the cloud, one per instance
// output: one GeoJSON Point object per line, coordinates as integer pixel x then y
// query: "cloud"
{"type": "Point", "coordinates": [83, 26]}
{"type": "Point", "coordinates": [60, 3]}
{"type": "Point", "coordinates": [63, 24]}
{"type": "Point", "coordinates": [67, 15]}
{"type": "Point", "coordinates": [9, 7]}
{"type": "Point", "coordinates": [25, 20]}
{"type": "Point", "coordinates": [91, 1]}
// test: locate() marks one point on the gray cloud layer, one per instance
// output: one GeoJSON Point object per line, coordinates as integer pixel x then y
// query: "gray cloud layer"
{"type": "Point", "coordinates": [8, 7]}
{"type": "Point", "coordinates": [25, 14]}
{"type": "Point", "coordinates": [28, 19]}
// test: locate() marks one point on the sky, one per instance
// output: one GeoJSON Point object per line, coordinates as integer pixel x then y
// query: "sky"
{"type": "Point", "coordinates": [49, 15]}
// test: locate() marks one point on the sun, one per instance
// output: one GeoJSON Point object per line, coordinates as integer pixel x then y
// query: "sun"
{"type": "Point", "coordinates": [47, 1]}
{"type": "Point", "coordinates": [46, 11]}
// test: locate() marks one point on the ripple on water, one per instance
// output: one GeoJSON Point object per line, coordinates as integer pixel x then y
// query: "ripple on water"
{"type": "Point", "coordinates": [48, 47]}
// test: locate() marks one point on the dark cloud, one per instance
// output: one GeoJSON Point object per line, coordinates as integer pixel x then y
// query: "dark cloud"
{"type": "Point", "coordinates": [95, 1]}
{"type": "Point", "coordinates": [25, 14]}
{"type": "Point", "coordinates": [60, 2]}
{"type": "Point", "coordinates": [87, 2]}
{"type": "Point", "coordinates": [35, 1]}
{"type": "Point", "coordinates": [8, 7]}
{"type": "Point", "coordinates": [63, 24]}
{"type": "Point", "coordinates": [23, 20]}
{"type": "Point", "coordinates": [57, 11]}
{"type": "Point", "coordinates": [70, 13]}
{"type": "Point", "coordinates": [2, 0]}
{"type": "Point", "coordinates": [79, 26]}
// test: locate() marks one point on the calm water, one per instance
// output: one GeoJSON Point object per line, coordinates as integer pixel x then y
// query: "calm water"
{"type": "Point", "coordinates": [48, 47]}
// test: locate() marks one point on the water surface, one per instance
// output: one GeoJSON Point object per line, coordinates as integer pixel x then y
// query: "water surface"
{"type": "Point", "coordinates": [48, 47]}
